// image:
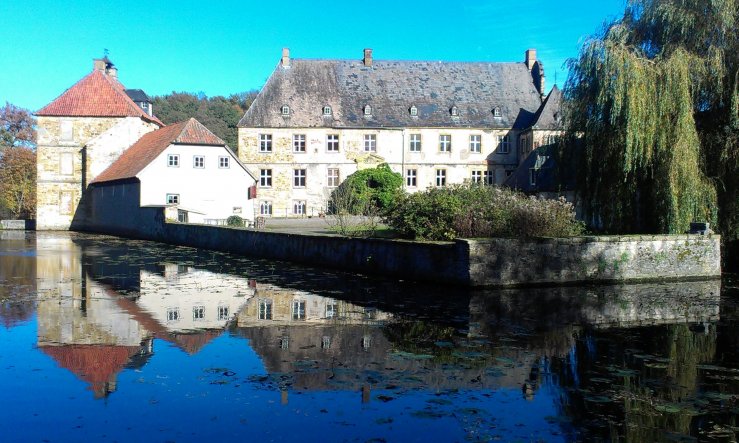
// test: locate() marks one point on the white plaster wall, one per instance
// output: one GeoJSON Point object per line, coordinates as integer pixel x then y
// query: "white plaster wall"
{"type": "Point", "coordinates": [211, 190]}
{"type": "Point", "coordinates": [183, 288]}
{"type": "Point", "coordinates": [393, 147]}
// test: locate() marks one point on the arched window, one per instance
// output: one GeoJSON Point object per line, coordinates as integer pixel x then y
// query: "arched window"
{"type": "Point", "coordinates": [367, 110]}
{"type": "Point", "coordinates": [327, 110]}
{"type": "Point", "coordinates": [496, 112]}
{"type": "Point", "coordinates": [414, 111]}
{"type": "Point", "coordinates": [285, 110]}
{"type": "Point", "coordinates": [454, 111]}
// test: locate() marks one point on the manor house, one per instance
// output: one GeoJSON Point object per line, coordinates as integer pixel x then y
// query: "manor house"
{"type": "Point", "coordinates": [317, 121]}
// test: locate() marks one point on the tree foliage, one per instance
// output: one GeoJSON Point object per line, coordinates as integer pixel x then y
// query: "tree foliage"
{"type": "Point", "coordinates": [655, 99]}
{"type": "Point", "coordinates": [17, 127]}
{"type": "Point", "coordinates": [219, 114]}
{"type": "Point", "coordinates": [474, 210]}
{"type": "Point", "coordinates": [18, 181]}
{"type": "Point", "coordinates": [367, 190]}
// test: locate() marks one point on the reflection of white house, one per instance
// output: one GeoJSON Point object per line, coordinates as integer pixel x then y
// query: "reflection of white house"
{"type": "Point", "coordinates": [183, 166]}
{"type": "Point", "coordinates": [186, 298]}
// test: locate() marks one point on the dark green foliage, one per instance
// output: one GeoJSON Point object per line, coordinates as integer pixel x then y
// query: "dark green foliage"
{"type": "Point", "coordinates": [480, 211]}
{"type": "Point", "coordinates": [367, 190]}
{"type": "Point", "coordinates": [655, 99]}
{"type": "Point", "coordinates": [219, 114]}
{"type": "Point", "coordinates": [235, 221]}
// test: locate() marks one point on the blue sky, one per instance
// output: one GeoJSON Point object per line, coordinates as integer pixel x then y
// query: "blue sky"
{"type": "Point", "coordinates": [226, 47]}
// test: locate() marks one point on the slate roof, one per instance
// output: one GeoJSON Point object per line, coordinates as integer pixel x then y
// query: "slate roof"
{"type": "Point", "coordinates": [391, 88]}
{"type": "Point", "coordinates": [147, 148]}
{"type": "Point", "coordinates": [137, 95]}
{"type": "Point", "coordinates": [96, 95]}
{"type": "Point", "coordinates": [548, 117]}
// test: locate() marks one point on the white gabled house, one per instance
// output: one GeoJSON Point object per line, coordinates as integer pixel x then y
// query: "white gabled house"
{"type": "Point", "coordinates": [183, 167]}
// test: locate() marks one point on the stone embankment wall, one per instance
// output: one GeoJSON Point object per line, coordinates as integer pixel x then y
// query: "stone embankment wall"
{"type": "Point", "coordinates": [484, 262]}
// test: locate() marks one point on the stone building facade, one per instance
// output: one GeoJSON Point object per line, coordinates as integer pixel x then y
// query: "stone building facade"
{"type": "Point", "coordinates": [80, 134]}
{"type": "Point", "coordinates": [315, 122]}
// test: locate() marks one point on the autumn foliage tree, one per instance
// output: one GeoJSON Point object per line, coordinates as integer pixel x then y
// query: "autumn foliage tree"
{"type": "Point", "coordinates": [17, 162]}
{"type": "Point", "coordinates": [18, 181]}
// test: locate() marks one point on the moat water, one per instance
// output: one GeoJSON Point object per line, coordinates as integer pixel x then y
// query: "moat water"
{"type": "Point", "coordinates": [106, 339]}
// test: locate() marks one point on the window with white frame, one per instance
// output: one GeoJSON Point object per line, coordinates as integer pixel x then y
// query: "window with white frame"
{"type": "Point", "coordinates": [415, 143]}
{"type": "Point", "coordinates": [265, 207]}
{"type": "Point", "coordinates": [414, 111]}
{"type": "Point", "coordinates": [299, 178]}
{"type": "Point", "coordinates": [285, 342]}
{"type": "Point", "coordinates": [411, 178]}
{"type": "Point", "coordinates": [173, 314]}
{"type": "Point", "coordinates": [476, 143]}
{"type": "Point", "coordinates": [265, 178]}
{"type": "Point", "coordinates": [325, 342]}
{"type": "Point", "coordinates": [496, 112]}
{"type": "Point", "coordinates": [198, 161]}
{"type": "Point", "coordinates": [332, 309]}
{"type": "Point", "coordinates": [198, 312]}
{"type": "Point", "coordinates": [285, 110]}
{"type": "Point", "coordinates": [370, 143]}
{"type": "Point", "coordinates": [298, 309]}
{"type": "Point", "coordinates": [327, 110]}
{"type": "Point", "coordinates": [173, 199]}
{"type": "Point", "coordinates": [454, 111]}
{"type": "Point", "coordinates": [504, 144]}
{"type": "Point", "coordinates": [489, 177]}
{"type": "Point", "coordinates": [445, 143]}
{"type": "Point", "coordinates": [224, 162]}
{"type": "Point", "coordinates": [332, 143]}
{"type": "Point", "coordinates": [173, 160]}
{"type": "Point", "coordinates": [223, 312]}
{"type": "Point", "coordinates": [265, 142]}
{"type": "Point", "coordinates": [552, 139]}
{"type": "Point", "coordinates": [66, 131]}
{"type": "Point", "coordinates": [265, 309]}
{"type": "Point", "coordinates": [298, 142]}
{"type": "Point", "coordinates": [367, 110]}
{"type": "Point", "coordinates": [298, 207]}
{"type": "Point", "coordinates": [476, 177]}
{"type": "Point", "coordinates": [441, 177]}
{"type": "Point", "coordinates": [66, 163]}
{"type": "Point", "coordinates": [333, 177]}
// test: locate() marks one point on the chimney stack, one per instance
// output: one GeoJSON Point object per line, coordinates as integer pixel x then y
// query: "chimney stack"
{"type": "Point", "coordinates": [285, 57]}
{"type": "Point", "coordinates": [368, 57]}
{"type": "Point", "coordinates": [112, 71]}
{"type": "Point", "coordinates": [530, 58]}
{"type": "Point", "coordinates": [99, 64]}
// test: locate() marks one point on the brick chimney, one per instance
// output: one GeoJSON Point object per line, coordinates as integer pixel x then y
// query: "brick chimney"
{"type": "Point", "coordinates": [285, 58]}
{"type": "Point", "coordinates": [99, 64]}
{"type": "Point", "coordinates": [530, 58]}
{"type": "Point", "coordinates": [367, 57]}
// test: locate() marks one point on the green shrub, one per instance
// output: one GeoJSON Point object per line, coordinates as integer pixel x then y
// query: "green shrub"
{"type": "Point", "coordinates": [480, 211]}
{"type": "Point", "coordinates": [235, 221]}
{"type": "Point", "coordinates": [366, 191]}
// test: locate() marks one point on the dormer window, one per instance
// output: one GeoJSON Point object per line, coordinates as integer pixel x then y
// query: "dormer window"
{"type": "Point", "coordinates": [285, 110]}
{"type": "Point", "coordinates": [367, 110]}
{"type": "Point", "coordinates": [327, 110]}
{"type": "Point", "coordinates": [454, 111]}
{"type": "Point", "coordinates": [496, 112]}
{"type": "Point", "coordinates": [414, 111]}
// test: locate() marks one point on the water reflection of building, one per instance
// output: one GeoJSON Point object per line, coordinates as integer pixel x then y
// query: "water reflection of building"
{"type": "Point", "coordinates": [95, 325]}
{"type": "Point", "coordinates": [17, 277]}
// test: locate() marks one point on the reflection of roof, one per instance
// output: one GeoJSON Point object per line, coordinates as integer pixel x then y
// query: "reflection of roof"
{"type": "Point", "coordinates": [98, 365]}
{"type": "Point", "coordinates": [148, 147]}
{"type": "Point", "coordinates": [96, 95]}
{"type": "Point", "coordinates": [391, 88]}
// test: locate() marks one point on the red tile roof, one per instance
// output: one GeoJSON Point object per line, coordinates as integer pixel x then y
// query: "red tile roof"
{"type": "Point", "coordinates": [96, 95]}
{"type": "Point", "coordinates": [148, 148]}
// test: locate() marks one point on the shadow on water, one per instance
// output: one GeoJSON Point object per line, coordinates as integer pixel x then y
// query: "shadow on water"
{"type": "Point", "coordinates": [643, 362]}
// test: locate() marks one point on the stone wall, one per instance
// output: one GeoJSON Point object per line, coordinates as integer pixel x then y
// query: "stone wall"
{"type": "Point", "coordinates": [478, 263]}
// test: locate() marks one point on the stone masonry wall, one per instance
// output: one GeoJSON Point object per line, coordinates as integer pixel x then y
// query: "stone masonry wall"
{"type": "Point", "coordinates": [477, 263]}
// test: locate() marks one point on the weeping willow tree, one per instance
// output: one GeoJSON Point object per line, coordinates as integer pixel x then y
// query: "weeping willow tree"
{"type": "Point", "coordinates": [654, 102]}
